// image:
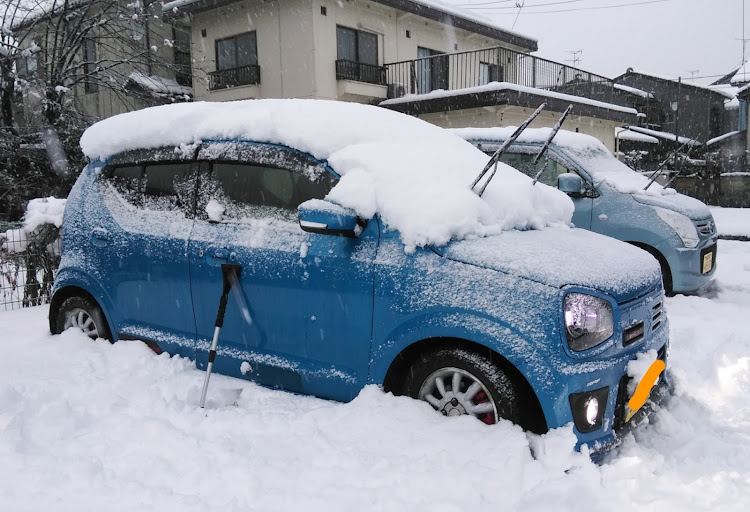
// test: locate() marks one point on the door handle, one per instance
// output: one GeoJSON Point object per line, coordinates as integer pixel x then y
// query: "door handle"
{"type": "Point", "coordinates": [99, 236]}
{"type": "Point", "coordinates": [216, 253]}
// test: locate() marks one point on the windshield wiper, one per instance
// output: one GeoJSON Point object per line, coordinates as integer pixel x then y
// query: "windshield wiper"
{"type": "Point", "coordinates": [678, 172]}
{"type": "Point", "coordinates": [496, 156]}
{"type": "Point", "coordinates": [657, 172]}
{"type": "Point", "coordinates": [552, 134]}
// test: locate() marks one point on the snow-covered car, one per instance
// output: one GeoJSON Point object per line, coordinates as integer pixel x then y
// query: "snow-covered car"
{"type": "Point", "coordinates": [364, 257]}
{"type": "Point", "coordinates": [612, 199]}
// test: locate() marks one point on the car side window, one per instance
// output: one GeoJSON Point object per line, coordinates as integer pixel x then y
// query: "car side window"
{"type": "Point", "coordinates": [242, 191]}
{"type": "Point", "coordinates": [160, 186]}
{"type": "Point", "coordinates": [524, 163]}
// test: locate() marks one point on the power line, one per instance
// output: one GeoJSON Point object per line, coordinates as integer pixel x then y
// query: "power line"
{"type": "Point", "coordinates": [475, 6]}
{"type": "Point", "coordinates": [632, 4]}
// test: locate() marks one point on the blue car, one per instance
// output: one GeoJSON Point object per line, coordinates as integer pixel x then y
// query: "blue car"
{"type": "Point", "coordinates": [335, 292]}
{"type": "Point", "coordinates": [610, 199]}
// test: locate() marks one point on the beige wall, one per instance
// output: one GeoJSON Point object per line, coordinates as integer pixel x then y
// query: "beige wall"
{"type": "Point", "coordinates": [297, 45]}
{"type": "Point", "coordinates": [488, 117]}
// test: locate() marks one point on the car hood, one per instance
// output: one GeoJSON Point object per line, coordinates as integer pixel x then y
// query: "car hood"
{"type": "Point", "coordinates": [686, 205]}
{"type": "Point", "coordinates": [561, 256]}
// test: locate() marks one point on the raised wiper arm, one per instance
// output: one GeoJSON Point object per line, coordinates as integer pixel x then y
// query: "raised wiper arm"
{"type": "Point", "coordinates": [657, 172]}
{"type": "Point", "coordinates": [552, 134]}
{"type": "Point", "coordinates": [678, 172]}
{"type": "Point", "coordinates": [496, 156]}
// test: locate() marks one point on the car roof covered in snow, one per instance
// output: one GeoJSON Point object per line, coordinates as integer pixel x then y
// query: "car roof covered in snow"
{"type": "Point", "coordinates": [414, 174]}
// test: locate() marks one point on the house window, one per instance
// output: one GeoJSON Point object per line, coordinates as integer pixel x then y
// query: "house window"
{"type": "Point", "coordinates": [357, 56]}
{"type": "Point", "coordinates": [236, 62]}
{"type": "Point", "coordinates": [490, 73]}
{"type": "Point", "coordinates": [182, 61]}
{"type": "Point", "coordinates": [432, 70]}
{"type": "Point", "coordinates": [89, 66]}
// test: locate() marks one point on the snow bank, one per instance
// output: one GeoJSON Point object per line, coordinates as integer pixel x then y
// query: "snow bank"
{"type": "Point", "coordinates": [732, 221]}
{"type": "Point", "coordinates": [414, 174]}
{"type": "Point", "coordinates": [48, 210]}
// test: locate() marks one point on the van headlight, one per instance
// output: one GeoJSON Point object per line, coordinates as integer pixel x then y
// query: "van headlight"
{"type": "Point", "coordinates": [681, 224]}
{"type": "Point", "coordinates": [588, 321]}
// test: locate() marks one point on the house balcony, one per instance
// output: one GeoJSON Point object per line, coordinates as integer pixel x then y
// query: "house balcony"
{"type": "Point", "coordinates": [464, 70]}
{"type": "Point", "coordinates": [226, 78]}
{"type": "Point", "coordinates": [360, 72]}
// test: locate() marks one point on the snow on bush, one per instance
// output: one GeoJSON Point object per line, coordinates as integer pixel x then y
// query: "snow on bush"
{"type": "Point", "coordinates": [48, 210]}
{"type": "Point", "coordinates": [414, 174]}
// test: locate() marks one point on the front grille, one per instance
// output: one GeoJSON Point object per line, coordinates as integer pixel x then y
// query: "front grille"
{"type": "Point", "coordinates": [706, 228]}
{"type": "Point", "coordinates": [656, 316]}
{"type": "Point", "coordinates": [633, 334]}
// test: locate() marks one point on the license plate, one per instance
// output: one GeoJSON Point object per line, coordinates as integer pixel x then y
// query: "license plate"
{"type": "Point", "coordinates": [708, 262]}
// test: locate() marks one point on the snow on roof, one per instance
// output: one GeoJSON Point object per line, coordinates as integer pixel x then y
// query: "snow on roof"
{"type": "Point", "coordinates": [672, 79]}
{"type": "Point", "coordinates": [633, 90]}
{"type": "Point", "coordinates": [158, 85]}
{"type": "Point", "coordinates": [665, 135]}
{"type": "Point", "coordinates": [414, 174]}
{"type": "Point", "coordinates": [721, 137]}
{"type": "Point", "coordinates": [448, 8]}
{"type": "Point", "coordinates": [585, 150]}
{"type": "Point", "coordinates": [502, 86]}
{"type": "Point", "coordinates": [625, 134]}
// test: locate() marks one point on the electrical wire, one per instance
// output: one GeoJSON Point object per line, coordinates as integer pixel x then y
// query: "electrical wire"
{"type": "Point", "coordinates": [631, 4]}
{"type": "Point", "coordinates": [472, 6]}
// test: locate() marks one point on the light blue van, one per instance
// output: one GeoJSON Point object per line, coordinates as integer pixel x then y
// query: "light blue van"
{"type": "Point", "coordinates": [518, 325]}
{"type": "Point", "coordinates": [610, 199]}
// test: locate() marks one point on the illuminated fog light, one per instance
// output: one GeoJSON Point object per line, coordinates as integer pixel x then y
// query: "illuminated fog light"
{"type": "Point", "coordinates": [592, 410]}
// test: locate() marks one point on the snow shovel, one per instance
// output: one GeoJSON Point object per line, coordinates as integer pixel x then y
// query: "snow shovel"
{"type": "Point", "coordinates": [230, 273]}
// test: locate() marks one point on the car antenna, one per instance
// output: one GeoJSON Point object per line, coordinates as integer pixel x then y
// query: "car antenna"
{"type": "Point", "coordinates": [496, 156]}
{"type": "Point", "coordinates": [552, 134]}
{"type": "Point", "coordinates": [657, 172]}
{"type": "Point", "coordinates": [678, 172]}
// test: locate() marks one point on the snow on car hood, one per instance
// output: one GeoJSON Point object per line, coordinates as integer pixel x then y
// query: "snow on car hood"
{"type": "Point", "coordinates": [588, 152]}
{"type": "Point", "coordinates": [680, 203]}
{"type": "Point", "coordinates": [414, 174]}
{"type": "Point", "coordinates": [563, 256]}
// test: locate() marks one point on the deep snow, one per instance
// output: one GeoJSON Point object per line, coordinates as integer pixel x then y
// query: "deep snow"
{"type": "Point", "coordinates": [88, 425]}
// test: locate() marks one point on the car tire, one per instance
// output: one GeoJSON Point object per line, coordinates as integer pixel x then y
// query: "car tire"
{"type": "Point", "coordinates": [484, 390]}
{"type": "Point", "coordinates": [84, 314]}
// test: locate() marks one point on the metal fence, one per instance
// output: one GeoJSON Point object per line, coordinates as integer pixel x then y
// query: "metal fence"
{"type": "Point", "coordinates": [28, 264]}
{"type": "Point", "coordinates": [497, 64]}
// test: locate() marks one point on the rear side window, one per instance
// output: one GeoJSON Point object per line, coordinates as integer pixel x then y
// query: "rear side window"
{"type": "Point", "coordinates": [155, 186]}
{"type": "Point", "coordinates": [247, 191]}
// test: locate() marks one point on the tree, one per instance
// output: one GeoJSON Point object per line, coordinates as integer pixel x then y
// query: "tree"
{"type": "Point", "coordinates": [67, 63]}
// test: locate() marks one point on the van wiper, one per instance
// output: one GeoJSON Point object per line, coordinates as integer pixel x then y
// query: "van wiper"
{"type": "Point", "coordinates": [680, 171]}
{"type": "Point", "coordinates": [552, 134]}
{"type": "Point", "coordinates": [657, 172]}
{"type": "Point", "coordinates": [496, 156]}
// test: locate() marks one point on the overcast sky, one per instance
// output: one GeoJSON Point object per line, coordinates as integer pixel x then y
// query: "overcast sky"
{"type": "Point", "coordinates": [665, 37]}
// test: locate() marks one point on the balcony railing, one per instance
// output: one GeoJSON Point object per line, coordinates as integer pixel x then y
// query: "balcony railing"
{"type": "Point", "coordinates": [245, 75]}
{"type": "Point", "coordinates": [461, 70]}
{"type": "Point", "coordinates": [359, 71]}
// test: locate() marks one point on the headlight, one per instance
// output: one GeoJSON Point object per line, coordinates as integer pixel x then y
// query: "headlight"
{"type": "Point", "coordinates": [681, 224]}
{"type": "Point", "coordinates": [588, 321]}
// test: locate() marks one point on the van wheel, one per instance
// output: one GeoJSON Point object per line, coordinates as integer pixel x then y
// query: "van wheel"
{"type": "Point", "coordinates": [83, 314]}
{"type": "Point", "coordinates": [455, 381]}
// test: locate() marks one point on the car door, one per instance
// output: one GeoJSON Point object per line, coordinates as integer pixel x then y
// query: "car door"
{"type": "Point", "coordinates": [301, 318]}
{"type": "Point", "coordinates": [141, 216]}
{"type": "Point", "coordinates": [553, 165]}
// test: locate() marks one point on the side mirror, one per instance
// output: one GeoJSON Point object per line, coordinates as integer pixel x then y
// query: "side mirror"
{"type": "Point", "coordinates": [326, 218]}
{"type": "Point", "coordinates": [570, 183]}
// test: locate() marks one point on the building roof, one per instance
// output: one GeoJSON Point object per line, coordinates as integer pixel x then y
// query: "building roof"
{"type": "Point", "coordinates": [633, 71]}
{"type": "Point", "coordinates": [504, 93]}
{"type": "Point", "coordinates": [430, 9]}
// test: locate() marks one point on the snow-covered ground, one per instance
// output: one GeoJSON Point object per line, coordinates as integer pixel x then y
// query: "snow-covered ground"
{"type": "Point", "coordinates": [88, 425]}
{"type": "Point", "coordinates": [732, 221]}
